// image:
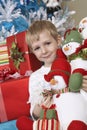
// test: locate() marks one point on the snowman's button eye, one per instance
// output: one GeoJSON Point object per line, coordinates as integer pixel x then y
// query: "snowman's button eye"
{"type": "Point", "coordinates": [80, 30]}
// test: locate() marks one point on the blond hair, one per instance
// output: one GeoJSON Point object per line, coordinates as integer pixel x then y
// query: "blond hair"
{"type": "Point", "coordinates": [37, 27]}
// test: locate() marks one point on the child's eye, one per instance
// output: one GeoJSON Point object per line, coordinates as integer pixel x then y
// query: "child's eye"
{"type": "Point", "coordinates": [48, 43]}
{"type": "Point", "coordinates": [37, 48]}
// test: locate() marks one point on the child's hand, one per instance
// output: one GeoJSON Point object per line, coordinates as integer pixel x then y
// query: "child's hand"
{"type": "Point", "coordinates": [47, 93]}
{"type": "Point", "coordinates": [84, 84]}
{"type": "Point", "coordinates": [47, 101]}
{"type": "Point", "coordinates": [50, 92]}
{"type": "Point", "coordinates": [54, 91]}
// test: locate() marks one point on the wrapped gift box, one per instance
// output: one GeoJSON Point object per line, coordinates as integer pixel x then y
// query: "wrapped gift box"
{"type": "Point", "coordinates": [13, 99]}
{"type": "Point", "coordinates": [30, 61]}
{"type": "Point", "coordinates": [14, 92]}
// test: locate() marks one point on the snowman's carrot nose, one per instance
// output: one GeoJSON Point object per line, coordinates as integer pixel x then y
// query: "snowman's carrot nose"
{"type": "Point", "coordinates": [53, 81]}
{"type": "Point", "coordinates": [66, 48]}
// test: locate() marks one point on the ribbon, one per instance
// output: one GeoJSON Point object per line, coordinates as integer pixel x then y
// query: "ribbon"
{"type": "Point", "coordinates": [17, 75]}
{"type": "Point", "coordinates": [3, 115]}
{"type": "Point", "coordinates": [5, 74]}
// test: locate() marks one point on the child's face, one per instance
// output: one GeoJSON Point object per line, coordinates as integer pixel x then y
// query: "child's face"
{"type": "Point", "coordinates": [45, 48]}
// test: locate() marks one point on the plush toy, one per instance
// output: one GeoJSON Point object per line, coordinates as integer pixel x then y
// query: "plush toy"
{"type": "Point", "coordinates": [76, 51]}
{"type": "Point", "coordinates": [58, 77]}
{"type": "Point", "coordinates": [83, 27]}
{"type": "Point", "coordinates": [71, 107]}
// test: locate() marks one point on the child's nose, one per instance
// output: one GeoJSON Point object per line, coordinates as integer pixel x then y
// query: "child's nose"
{"type": "Point", "coordinates": [43, 49]}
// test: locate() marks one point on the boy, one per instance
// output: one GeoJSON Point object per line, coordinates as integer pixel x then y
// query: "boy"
{"type": "Point", "coordinates": [43, 40]}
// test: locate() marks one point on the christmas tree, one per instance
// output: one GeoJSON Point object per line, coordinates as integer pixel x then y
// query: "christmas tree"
{"type": "Point", "coordinates": [13, 12]}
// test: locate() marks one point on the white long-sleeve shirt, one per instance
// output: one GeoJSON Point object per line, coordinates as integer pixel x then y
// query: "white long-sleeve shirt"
{"type": "Point", "coordinates": [36, 87]}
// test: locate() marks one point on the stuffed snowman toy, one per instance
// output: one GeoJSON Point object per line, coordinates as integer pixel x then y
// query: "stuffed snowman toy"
{"type": "Point", "coordinates": [76, 51]}
{"type": "Point", "coordinates": [71, 107]}
{"type": "Point", "coordinates": [83, 27]}
{"type": "Point", "coordinates": [58, 77]}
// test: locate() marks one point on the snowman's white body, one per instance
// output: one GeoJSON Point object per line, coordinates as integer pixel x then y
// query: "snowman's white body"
{"type": "Point", "coordinates": [78, 63]}
{"type": "Point", "coordinates": [70, 106]}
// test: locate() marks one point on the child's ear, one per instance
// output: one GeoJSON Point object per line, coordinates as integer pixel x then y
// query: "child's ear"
{"type": "Point", "coordinates": [59, 40]}
{"type": "Point", "coordinates": [30, 49]}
